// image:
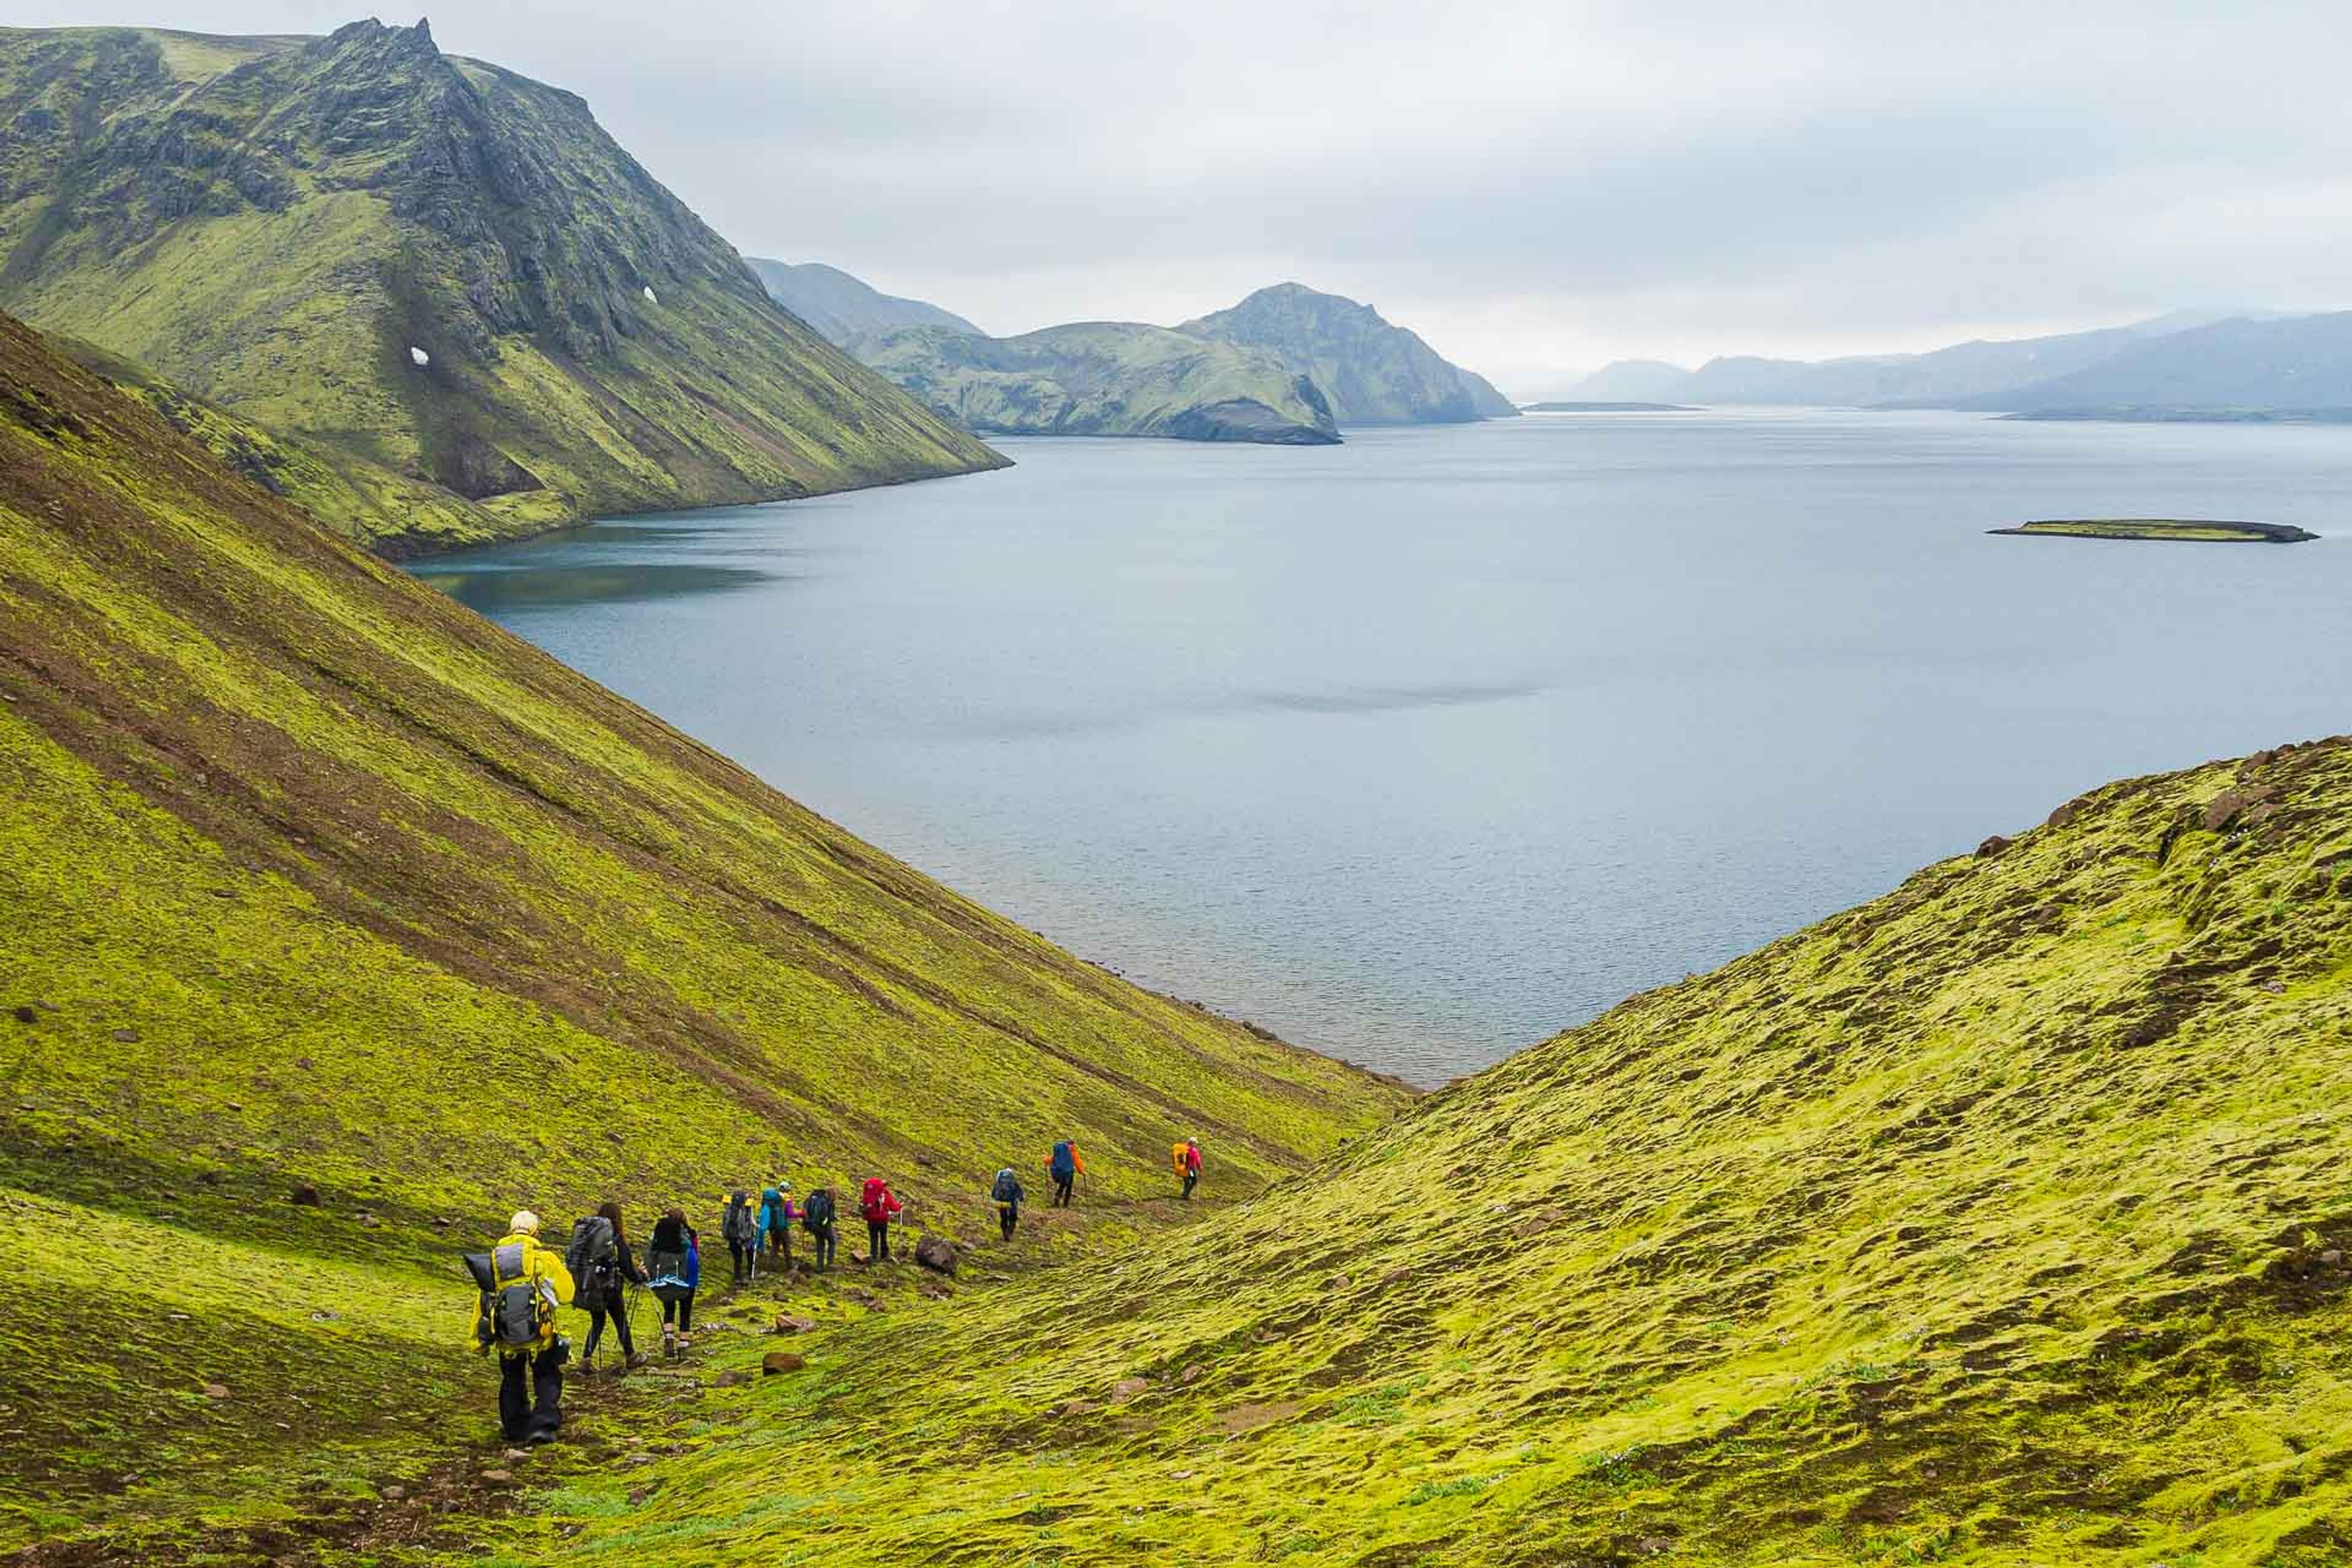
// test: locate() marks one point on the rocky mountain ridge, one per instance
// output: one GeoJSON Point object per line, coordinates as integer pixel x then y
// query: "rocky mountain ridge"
{"type": "Point", "coordinates": [425, 269]}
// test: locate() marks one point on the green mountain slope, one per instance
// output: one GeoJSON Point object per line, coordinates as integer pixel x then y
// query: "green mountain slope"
{"type": "Point", "coordinates": [310, 875]}
{"type": "Point", "coordinates": [1373, 373]}
{"type": "Point", "coordinates": [2002, 1220]}
{"type": "Point", "coordinates": [841, 306]}
{"type": "Point", "coordinates": [1104, 378]}
{"type": "Point", "coordinates": [427, 271]}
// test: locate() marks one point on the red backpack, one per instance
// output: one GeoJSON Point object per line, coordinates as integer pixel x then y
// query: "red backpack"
{"type": "Point", "coordinates": [876, 1206]}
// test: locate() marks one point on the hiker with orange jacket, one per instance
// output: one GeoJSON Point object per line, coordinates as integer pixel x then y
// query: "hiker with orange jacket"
{"type": "Point", "coordinates": [1064, 1165]}
{"type": "Point", "coordinates": [878, 1206]}
{"type": "Point", "coordinates": [1187, 1158]}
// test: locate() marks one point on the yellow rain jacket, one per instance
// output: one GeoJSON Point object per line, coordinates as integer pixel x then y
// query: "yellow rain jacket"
{"type": "Point", "coordinates": [521, 1258]}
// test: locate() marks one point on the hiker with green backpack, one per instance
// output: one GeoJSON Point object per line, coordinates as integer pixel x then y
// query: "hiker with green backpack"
{"type": "Point", "coordinates": [523, 1284]}
{"type": "Point", "coordinates": [601, 1263]}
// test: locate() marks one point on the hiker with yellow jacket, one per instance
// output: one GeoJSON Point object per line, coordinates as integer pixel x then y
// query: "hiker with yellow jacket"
{"type": "Point", "coordinates": [523, 1284]}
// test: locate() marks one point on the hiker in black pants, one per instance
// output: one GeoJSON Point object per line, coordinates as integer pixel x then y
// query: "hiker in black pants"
{"type": "Point", "coordinates": [1007, 1194]}
{"type": "Point", "coordinates": [741, 1228]}
{"type": "Point", "coordinates": [600, 1292]}
{"type": "Point", "coordinates": [816, 1218]}
{"type": "Point", "coordinates": [674, 1261]}
{"type": "Point", "coordinates": [1064, 1165]}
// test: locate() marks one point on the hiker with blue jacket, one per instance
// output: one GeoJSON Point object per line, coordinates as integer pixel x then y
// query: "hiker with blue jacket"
{"type": "Point", "coordinates": [1064, 1165]}
{"type": "Point", "coordinates": [776, 1216]}
{"type": "Point", "coordinates": [1007, 1194]}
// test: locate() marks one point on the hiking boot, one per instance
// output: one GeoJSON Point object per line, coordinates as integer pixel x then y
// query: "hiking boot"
{"type": "Point", "coordinates": [683, 1343]}
{"type": "Point", "coordinates": [636, 1359]}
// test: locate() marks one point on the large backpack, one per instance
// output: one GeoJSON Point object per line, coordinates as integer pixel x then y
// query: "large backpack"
{"type": "Point", "coordinates": [1007, 1185]}
{"type": "Point", "coordinates": [740, 1227]}
{"type": "Point", "coordinates": [518, 1312]}
{"type": "Point", "coordinates": [1066, 1160]}
{"type": "Point", "coordinates": [874, 1207]}
{"type": "Point", "coordinates": [1177, 1155]}
{"type": "Point", "coordinates": [817, 1212]}
{"type": "Point", "coordinates": [593, 1257]}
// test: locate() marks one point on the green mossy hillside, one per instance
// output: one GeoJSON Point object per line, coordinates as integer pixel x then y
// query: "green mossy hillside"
{"type": "Point", "coordinates": [1103, 378]}
{"type": "Point", "coordinates": [438, 275]}
{"type": "Point", "coordinates": [2002, 1220]}
{"type": "Point", "coordinates": [311, 876]}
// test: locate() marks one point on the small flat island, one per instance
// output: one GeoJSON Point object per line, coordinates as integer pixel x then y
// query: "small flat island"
{"type": "Point", "coordinates": [2190, 529]}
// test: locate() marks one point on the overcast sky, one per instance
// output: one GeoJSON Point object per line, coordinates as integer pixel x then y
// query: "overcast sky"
{"type": "Point", "coordinates": [1533, 188]}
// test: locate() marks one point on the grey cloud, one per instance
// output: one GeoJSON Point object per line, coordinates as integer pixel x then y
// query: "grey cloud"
{"type": "Point", "coordinates": [1535, 187]}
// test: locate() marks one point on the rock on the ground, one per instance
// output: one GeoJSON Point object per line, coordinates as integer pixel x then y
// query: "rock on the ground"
{"type": "Point", "coordinates": [776, 1362]}
{"type": "Point", "coordinates": [1127, 1388]}
{"type": "Point", "coordinates": [788, 1324]}
{"type": "Point", "coordinates": [731, 1377]}
{"type": "Point", "coordinates": [304, 1194]}
{"type": "Point", "coordinates": [216, 1391]}
{"type": "Point", "coordinates": [936, 1253]}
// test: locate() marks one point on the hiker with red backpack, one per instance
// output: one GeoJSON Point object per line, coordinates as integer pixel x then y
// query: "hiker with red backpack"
{"type": "Point", "coordinates": [1064, 1165]}
{"type": "Point", "coordinates": [878, 1206]}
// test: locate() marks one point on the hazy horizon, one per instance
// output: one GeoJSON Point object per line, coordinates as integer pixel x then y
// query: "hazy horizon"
{"type": "Point", "coordinates": [1535, 190]}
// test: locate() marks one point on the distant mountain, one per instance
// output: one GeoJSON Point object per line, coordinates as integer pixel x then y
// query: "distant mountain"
{"type": "Point", "coordinates": [1633, 381]}
{"type": "Point", "coordinates": [1969, 374]}
{"type": "Point", "coordinates": [2280, 365]}
{"type": "Point", "coordinates": [441, 278]}
{"type": "Point", "coordinates": [1104, 378]}
{"type": "Point", "coordinates": [842, 306]}
{"type": "Point", "coordinates": [1373, 373]}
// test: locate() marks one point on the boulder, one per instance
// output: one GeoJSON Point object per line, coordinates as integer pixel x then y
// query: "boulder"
{"type": "Point", "coordinates": [731, 1377]}
{"type": "Point", "coordinates": [1991, 847]}
{"type": "Point", "coordinates": [2226, 807]}
{"type": "Point", "coordinates": [216, 1391]}
{"type": "Point", "coordinates": [776, 1362]}
{"type": "Point", "coordinates": [26, 1012]}
{"type": "Point", "coordinates": [788, 1324]}
{"type": "Point", "coordinates": [936, 1253]}
{"type": "Point", "coordinates": [304, 1196]}
{"type": "Point", "coordinates": [1129, 1388]}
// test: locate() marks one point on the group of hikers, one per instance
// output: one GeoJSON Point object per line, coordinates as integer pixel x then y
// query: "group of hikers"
{"type": "Point", "coordinates": [524, 1283]}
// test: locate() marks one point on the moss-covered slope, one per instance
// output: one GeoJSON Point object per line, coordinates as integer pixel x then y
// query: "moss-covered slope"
{"type": "Point", "coordinates": [308, 875]}
{"type": "Point", "coordinates": [2002, 1221]}
{"type": "Point", "coordinates": [437, 274]}
{"type": "Point", "coordinates": [1103, 378]}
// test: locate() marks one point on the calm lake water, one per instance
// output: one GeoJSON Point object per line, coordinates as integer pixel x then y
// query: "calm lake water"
{"type": "Point", "coordinates": [1422, 748]}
